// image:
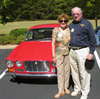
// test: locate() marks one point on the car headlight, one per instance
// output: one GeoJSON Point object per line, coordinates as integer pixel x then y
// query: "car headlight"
{"type": "Point", "coordinates": [9, 63]}
{"type": "Point", "coordinates": [18, 63]}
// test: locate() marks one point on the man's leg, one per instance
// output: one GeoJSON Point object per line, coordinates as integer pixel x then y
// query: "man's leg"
{"type": "Point", "coordinates": [75, 72]}
{"type": "Point", "coordinates": [84, 74]}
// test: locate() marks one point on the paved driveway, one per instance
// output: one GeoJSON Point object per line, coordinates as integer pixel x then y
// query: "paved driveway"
{"type": "Point", "coordinates": [40, 88]}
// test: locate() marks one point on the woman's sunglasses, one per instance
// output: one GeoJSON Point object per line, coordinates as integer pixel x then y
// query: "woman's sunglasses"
{"type": "Point", "coordinates": [61, 21]}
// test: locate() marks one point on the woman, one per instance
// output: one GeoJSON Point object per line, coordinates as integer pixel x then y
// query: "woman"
{"type": "Point", "coordinates": [61, 37]}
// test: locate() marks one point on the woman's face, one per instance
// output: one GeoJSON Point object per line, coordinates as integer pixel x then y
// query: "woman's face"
{"type": "Point", "coordinates": [63, 22]}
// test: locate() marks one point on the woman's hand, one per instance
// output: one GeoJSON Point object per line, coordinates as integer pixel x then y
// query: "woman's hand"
{"type": "Point", "coordinates": [54, 60]}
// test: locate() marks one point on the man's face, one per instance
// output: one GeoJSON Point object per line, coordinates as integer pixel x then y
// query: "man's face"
{"type": "Point", "coordinates": [76, 14]}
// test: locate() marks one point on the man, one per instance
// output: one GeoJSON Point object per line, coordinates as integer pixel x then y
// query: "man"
{"type": "Point", "coordinates": [82, 46]}
{"type": "Point", "coordinates": [97, 33]}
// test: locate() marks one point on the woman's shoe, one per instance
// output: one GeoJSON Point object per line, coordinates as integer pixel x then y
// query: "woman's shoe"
{"type": "Point", "coordinates": [67, 91]}
{"type": "Point", "coordinates": [59, 94]}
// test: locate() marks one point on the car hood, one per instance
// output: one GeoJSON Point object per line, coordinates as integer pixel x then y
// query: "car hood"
{"type": "Point", "coordinates": [34, 50]}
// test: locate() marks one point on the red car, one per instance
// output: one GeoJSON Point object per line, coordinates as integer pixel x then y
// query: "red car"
{"type": "Point", "coordinates": [33, 57]}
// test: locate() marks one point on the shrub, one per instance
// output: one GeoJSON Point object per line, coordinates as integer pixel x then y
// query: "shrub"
{"type": "Point", "coordinates": [2, 40]}
{"type": "Point", "coordinates": [14, 37]}
{"type": "Point", "coordinates": [7, 39]}
{"type": "Point", "coordinates": [10, 37]}
{"type": "Point", "coordinates": [2, 34]}
{"type": "Point", "coordinates": [18, 32]}
{"type": "Point", "coordinates": [20, 39]}
{"type": "Point", "coordinates": [13, 42]}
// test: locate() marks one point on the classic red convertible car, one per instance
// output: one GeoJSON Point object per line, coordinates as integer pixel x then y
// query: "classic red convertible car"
{"type": "Point", "coordinates": [33, 57]}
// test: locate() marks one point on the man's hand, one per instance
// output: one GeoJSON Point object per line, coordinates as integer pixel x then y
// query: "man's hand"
{"type": "Point", "coordinates": [90, 56]}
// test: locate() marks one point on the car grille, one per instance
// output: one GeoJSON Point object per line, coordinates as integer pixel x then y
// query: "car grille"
{"type": "Point", "coordinates": [37, 66]}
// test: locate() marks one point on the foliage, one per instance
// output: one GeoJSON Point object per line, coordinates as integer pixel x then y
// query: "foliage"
{"type": "Point", "coordinates": [2, 34]}
{"type": "Point", "coordinates": [19, 10]}
{"type": "Point", "coordinates": [18, 32]}
{"type": "Point", "coordinates": [7, 39]}
{"type": "Point", "coordinates": [89, 7]}
{"type": "Point", "coordinates": [16, 10]}
{"type": "Point", "coordinates": [20, 39]}
{"type": "Point", "coordinates": [7, 11]}
{"type": "Point", "coordinates": [13, 37]}
{"type": "Point", "coordinates": [2, 40]}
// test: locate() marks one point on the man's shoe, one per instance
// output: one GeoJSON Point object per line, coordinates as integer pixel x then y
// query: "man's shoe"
{"type": "Point", "coordinates": [83, 97]}
{"type": "Point", "coordinates": [75, 93]}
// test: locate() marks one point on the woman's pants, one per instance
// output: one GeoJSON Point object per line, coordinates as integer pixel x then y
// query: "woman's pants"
{"type": "Point", "coordinates": [63, 71]}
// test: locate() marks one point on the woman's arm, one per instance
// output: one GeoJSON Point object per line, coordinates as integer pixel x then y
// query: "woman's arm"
{"type": "Point", "coordinates": [53, 49]}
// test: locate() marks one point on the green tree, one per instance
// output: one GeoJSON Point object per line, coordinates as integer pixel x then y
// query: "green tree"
{"type": "Point", "coordinates": [17, 10]}
{"type": "Point", "coordinates": [8, 8]}
{"type": "Point", "coordinates": [94, 6]}
{"type": "Point", "coordinates": [12, 10]}
{"type": "Point", "coordinates": [90, 8]}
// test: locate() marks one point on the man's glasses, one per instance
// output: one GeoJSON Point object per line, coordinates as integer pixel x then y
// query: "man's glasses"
{"type": "Point", "coordinates": [75, 14]}
{"type": "Point", "coordinates": [61, 21]}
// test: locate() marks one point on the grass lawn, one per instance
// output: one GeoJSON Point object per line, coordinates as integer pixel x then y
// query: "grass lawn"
{"type": "Point", "coordinates": [5, 29]}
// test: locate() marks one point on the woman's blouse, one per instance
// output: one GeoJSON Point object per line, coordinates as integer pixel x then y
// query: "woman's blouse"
{"type": "Point", "coordinates": [62, 40]}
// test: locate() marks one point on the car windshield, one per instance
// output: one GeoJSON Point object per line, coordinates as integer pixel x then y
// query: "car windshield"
{"type": "Point", "coordinates": [39, 34]}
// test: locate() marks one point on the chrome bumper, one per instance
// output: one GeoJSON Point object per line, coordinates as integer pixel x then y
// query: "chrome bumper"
{"type": "Point", "coordinates": [31, 75]}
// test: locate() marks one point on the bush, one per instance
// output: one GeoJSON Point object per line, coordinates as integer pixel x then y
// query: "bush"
{"type": "Point", "coordinates": [10, 37]}
{"type": "Point", "coordinates": [2, 34]}
{"type": "Point", "coordinates": [2, 40]}
{"type": "Point", "coordinates": [7, 39]}
{"type": "Point", "coordinates": [20, 39]}
{"type": "Point", "coordinates": [14, 37]}
{"type": "Point", "coordinates": [18, 32]}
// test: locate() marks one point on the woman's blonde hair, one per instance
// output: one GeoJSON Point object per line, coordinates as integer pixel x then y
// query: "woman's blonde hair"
{"type": "Point", "coordinates": [63, 15]}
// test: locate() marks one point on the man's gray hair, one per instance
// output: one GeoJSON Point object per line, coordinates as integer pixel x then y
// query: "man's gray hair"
{"type": "Point", "coordinates": [76, 8]}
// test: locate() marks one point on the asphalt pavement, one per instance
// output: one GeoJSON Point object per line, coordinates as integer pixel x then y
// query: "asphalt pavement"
{"type": "Point", "coordinates": [40, 88]}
